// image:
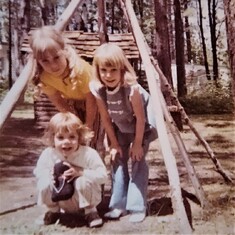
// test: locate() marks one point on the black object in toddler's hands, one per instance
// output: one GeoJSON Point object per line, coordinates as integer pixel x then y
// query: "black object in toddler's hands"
{"type": "Point", "coordinates": [62, 189]}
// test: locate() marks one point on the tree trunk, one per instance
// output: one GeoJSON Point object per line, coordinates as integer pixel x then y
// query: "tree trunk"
{"type": "Point", "coordinates": [163, 55]}
{"type": "Point", "coordinates": [10, 46]}
{"type": "Point", "coordinates": [212, 23]}
{"type": "Point", "coordinates": [187, 33]}
{"type": "Point", "coordinates": [179, 47]}
{"type": "Point", "coordinates": [203, 42]}
{"type": "Point", "coordinates": [101, 22]}
{"type": "Point", "coordinates": [25, 25]}
{"type": "Point", "coordinates": [162, 39]}
{"type": "Point", "coordinates": [169, 8]}
{"type": "Point", "coordinates": [16, 34]}
{"type": "Point", "coordinates": [67, 13]}
{"type": "Point", "coordinates": [45, 11]}
{"type": "Point", "coordinates": [229, 8]}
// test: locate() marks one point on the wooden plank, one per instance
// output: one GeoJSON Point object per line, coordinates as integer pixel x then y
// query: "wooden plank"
{"type": "Point", "coordinates": [169, 158]}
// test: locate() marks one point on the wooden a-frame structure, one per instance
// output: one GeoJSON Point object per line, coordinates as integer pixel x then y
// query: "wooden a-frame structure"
{"type": "Point", "coordinates": [154, 77]}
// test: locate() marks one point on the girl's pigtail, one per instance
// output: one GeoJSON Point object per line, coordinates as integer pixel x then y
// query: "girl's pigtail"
{"type": "Point", "coordinates": [72, 58]}
{"type": "Point", "coordinates": [85, 135]}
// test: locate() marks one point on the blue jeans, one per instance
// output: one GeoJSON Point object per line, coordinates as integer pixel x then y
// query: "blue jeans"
{"type": "Point", "coordinates": [129, 191]}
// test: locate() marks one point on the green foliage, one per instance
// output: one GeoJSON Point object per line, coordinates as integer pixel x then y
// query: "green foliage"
{"type": "Point", "coordinates": [148, 21]}
{"type": "Point", "coordinates": [213, 98]}
{"type": "Point", "coordinates": [28, 95]}
{"type": "Point", "coordinates": [3, 88]}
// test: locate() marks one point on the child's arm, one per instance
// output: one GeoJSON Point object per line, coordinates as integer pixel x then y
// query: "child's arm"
{"type": "Point", "coordinates": [91, 110]}
{"type": "Point", "coordinates": [60, 103]}
{"type": "Point", "coordinates": [92, 167]}
{"type": "Point", "coordinates": [44, 167]}
{"type": "Point", "coordinates": [106, 121]}
{"type": "Point", "coordinates": [136, 150]}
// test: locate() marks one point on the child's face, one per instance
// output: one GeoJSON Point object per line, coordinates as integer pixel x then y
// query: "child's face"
{"type": "Point", "coordinates": [54, 63]}
{"type": "Point", "coordinates": [110, 76]}
{"type": "Point", "coordinates": [66, 142]}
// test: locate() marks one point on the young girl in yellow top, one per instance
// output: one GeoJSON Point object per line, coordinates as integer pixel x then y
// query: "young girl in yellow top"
{"type": "Point", "coordinates": [61, 74]}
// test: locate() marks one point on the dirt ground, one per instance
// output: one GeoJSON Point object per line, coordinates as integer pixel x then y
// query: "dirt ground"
{"type": "Point", "coordinates": [20, 146]}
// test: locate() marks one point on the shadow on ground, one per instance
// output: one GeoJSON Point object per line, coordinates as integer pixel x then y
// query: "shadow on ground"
{"type": "Point", "coordinates": [157, 206]}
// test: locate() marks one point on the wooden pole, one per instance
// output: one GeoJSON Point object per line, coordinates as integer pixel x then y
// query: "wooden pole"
{"type": "Point", "coordinates": [169, 158]}
{"type": "Point", "coordinates": [183, 153]}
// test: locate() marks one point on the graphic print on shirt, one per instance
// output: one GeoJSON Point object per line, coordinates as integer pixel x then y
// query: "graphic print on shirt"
{"type": "Point", "coordinates": [120, 109]}
{"type": "Point", "coordinates": [114, 103]}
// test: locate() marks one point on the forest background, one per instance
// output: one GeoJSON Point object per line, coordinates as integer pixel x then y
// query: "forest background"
{"type": "Point", "coordinates": [192, 37]}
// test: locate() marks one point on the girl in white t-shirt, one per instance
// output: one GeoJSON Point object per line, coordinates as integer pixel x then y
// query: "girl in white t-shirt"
{"type": "Point", "coordinates": [67, 139]}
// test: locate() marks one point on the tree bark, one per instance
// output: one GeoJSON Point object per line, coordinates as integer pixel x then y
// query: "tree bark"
{"type": "Point", "coordinates": [10, 82]}
{"type": "Point", "coordinates": [101, 22]}
{"type": "Point", "coordinates": [203, 41]}
{"type": "Point", "coordinates": [68, 12]}
{"type": "Point", "coordinates": [212, 23]}
{"type": "Point", "coordinates": [179, 47]}
{"type": "Point", "coordinates": [169, 8]}
{"type": "Point", "coordinates": [162, 39]}
{"type": "Point", "coordinates": [163, 54]}
{"type": "Point", "coordinates": [229, 8]}
{"type": "Point", "coordinates": [187, 33]}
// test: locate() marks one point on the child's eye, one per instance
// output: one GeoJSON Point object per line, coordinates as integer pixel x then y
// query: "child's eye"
{"type": "Point", "coordinates": [60, 137]}
{"type": "Point", "coordinates": [56, 57]}
{"type": "Point", "coordinates": [114, 70]}
{"type": "Point", "coordinates": [72, 137]}
{"type": "Point", "coordinates": [45, 61]}
{"type": "Point", "coordinates": [103, 70]}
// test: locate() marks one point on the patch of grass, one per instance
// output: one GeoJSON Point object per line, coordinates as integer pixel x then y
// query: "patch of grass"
{"type": "Point", "coordinates": [213, 98]}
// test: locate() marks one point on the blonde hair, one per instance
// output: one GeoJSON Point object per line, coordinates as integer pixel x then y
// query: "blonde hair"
{"type": "Point", "coordinates": [48, 39]}
{"type": "Point", "coordinates": [111, 55]}
{"type": "Point", "coordinates": [67, 122]}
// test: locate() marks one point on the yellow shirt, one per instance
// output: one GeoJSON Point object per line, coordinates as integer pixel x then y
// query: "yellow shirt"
{"type": "Point", "coordinates": [52, 84]}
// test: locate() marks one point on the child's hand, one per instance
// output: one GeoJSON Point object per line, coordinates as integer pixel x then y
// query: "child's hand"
{"type": "Point", "coordinates": [72, 172]}
{"type": "Point", "coordinates": [114, 152]}
{"type": "Point", "coordinates": [136, 152]}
